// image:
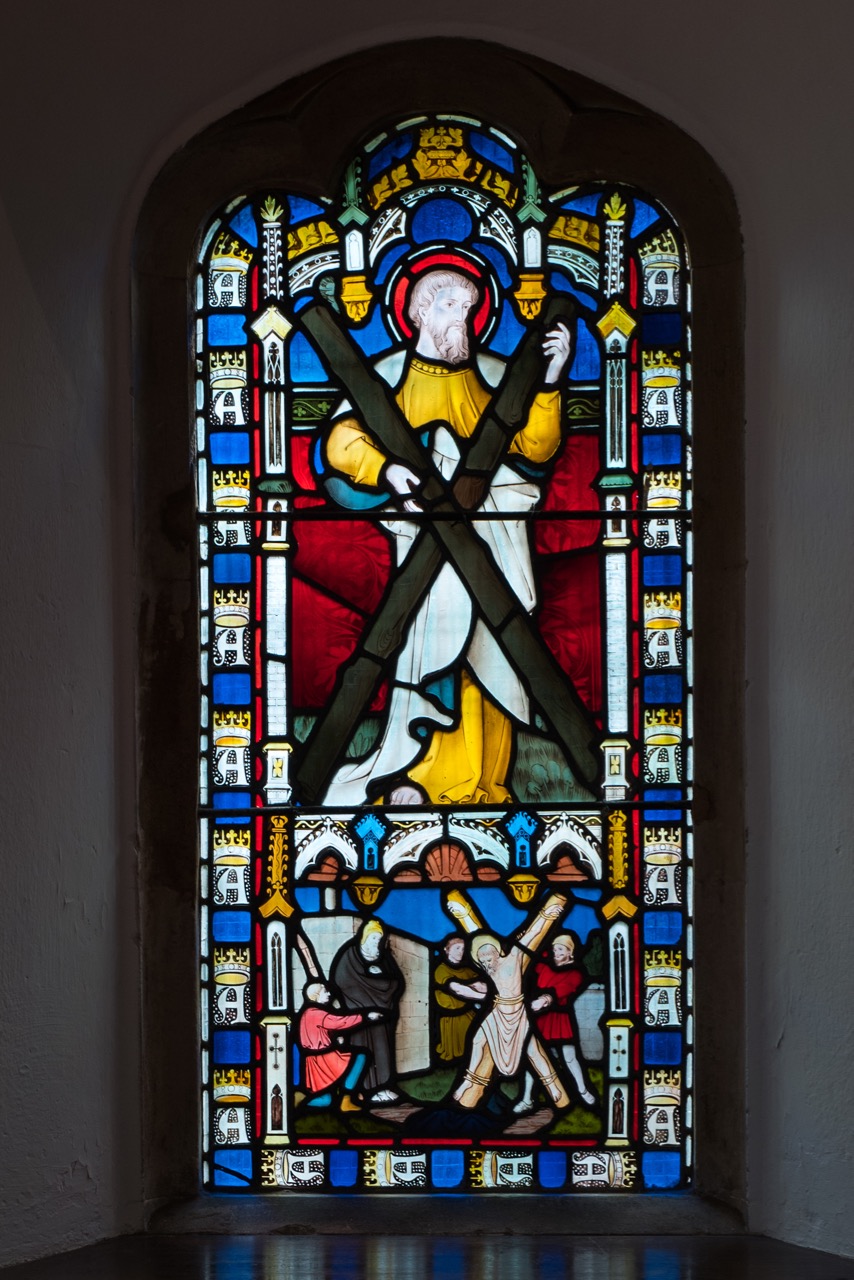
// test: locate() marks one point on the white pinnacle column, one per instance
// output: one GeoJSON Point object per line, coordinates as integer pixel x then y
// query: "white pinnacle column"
{"type": "Point", "coordinates": [276, 1075]}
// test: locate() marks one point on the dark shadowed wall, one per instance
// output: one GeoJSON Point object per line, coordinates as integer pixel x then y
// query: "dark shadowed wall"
{"type": "Point", "coordinates": [94, 100]}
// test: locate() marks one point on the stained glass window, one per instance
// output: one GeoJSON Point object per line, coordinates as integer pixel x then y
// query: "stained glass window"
{"type": "Point", "coordinates": [442, 427]}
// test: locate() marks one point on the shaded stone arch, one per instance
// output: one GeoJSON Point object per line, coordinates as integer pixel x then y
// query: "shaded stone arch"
{"type": "Point", "coordinates": [327, 868]}
{"type": "Point", "coordinates": [298, 135]}
{"type": "Point", "coordinates": [566, 867]}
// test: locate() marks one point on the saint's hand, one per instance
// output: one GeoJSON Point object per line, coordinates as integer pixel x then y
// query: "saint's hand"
{"type": "Point", "coordinates": [553, 910]}
{"type": "Point", "coordinates": [556, 348]}
{"type": "Point", "coordinates": [402, 480]}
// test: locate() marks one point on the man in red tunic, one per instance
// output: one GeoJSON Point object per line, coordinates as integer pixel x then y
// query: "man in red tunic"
{"type": "Point", "coordinates": [325, 1063]}
{"type": "Point", "coordinates": [559, 981]}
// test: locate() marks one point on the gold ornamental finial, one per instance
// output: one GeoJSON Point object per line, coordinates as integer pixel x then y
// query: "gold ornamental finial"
{"type": "Point", "coordinates": [615, 209]}
{"type": "Point", "coordinates": [270, 210]}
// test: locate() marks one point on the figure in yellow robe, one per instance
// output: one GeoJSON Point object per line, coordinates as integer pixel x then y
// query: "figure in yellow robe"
{"type": "Point", "coordinates": [447, 736]}
{"type": "Point", "coordinates": [455, 999]}
{"type": "Point", "coordinates": [449, 733]}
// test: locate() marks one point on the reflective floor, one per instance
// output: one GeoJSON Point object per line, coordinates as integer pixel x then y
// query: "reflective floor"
{"type": "Point", "coordinates": [437, 1258]}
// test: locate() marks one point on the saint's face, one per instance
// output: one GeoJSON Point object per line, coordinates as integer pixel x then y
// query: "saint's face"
{"type": "Point", "coordinates": [323, 996]}
{"type": "Point", "coordinates": [449, 307]}
{"type": "Point", "coordinates": [488, 957]}
{"type": "Point", "coordinates": [446, 320]}
{"type": "Point", "coordinates": [455, 951]}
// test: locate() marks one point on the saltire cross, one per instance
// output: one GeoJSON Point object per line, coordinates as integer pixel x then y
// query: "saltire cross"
{"type": "Point", "coordinates": [446, 538]}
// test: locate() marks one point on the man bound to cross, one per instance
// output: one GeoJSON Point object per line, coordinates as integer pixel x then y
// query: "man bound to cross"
{"type": "Point", "coordinates": [447, 736]}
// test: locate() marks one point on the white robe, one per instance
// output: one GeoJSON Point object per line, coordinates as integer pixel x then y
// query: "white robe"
{"type": "Point", "coordinates": [446, 624]}
{"type": "Point", "coordinates": [507, 1026]}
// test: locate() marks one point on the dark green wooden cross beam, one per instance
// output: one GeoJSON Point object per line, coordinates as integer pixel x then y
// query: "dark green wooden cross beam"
{"type": "Point", "coordinates": [445, 539]}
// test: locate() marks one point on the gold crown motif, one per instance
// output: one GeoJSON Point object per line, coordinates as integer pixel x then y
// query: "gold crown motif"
{"type": "Point", "coordinates": [441, 137]}
{"type": "Point", "coordinates": [230, 838]}
{"type": "Point", "coordinates": [232, 1086]}
{"type": "Point", "coordinates": [370, 1168]}
{"type": "Point", "coordinates": [231, 488]}
{"type": "Point", "coordinates": [662, 1088]}
{"type": "Point", "coordinates": [232, 728]}
{"type": "Point", "coordinates": [662, 846]}
{"type": "Point", "coordinates": [231, 966]}
{"type": "Point", "coordinates": [476, 1168]}
{"type": "Point", "coordinates": [661, 251]}
{"type": "Point", "coordinates": [268, 1167]}
{"type": "Point", "coordinates": [661, 359]}
{"type": "Point", "coordinates": [440, 154]}
{"type": "Point", "coordinates": [662, 967]}
{"type": "Point", "coordinates": [229, 254]}
{"type": "Point", "coordinates": [663, 488]}
{"type": "Point", "coordinates": [624, 1169]}
{"type": "Point", "coordinates": [661, 368]}
{"type": "Point", "coordinates": [227, 370]}
{"type": "Point", "coordinates": [662, 727]}
{"type": "Point", "coordinates": [231, 608]}
{"type": "Point", "coordinates": [662, 610]}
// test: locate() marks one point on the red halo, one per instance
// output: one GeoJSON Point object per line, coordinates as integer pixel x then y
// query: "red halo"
{"type": "Point", "coordinates": [432, 261]}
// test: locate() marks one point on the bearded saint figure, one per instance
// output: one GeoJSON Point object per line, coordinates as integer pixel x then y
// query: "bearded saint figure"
{"type": "Point", "coordinates": [447, 737]}
{"type": "Point", "coordinates": [505, 1036]}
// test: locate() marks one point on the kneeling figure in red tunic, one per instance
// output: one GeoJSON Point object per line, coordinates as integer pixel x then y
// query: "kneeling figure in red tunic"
{"type": "Point", "coordinates": [329, 1069]}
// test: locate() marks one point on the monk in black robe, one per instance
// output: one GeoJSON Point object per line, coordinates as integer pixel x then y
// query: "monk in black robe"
{"type": "Point", "coordinates": [366, 976]}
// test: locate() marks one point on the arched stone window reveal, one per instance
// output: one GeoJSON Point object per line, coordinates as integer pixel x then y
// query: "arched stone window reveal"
{"type": "Point", "coordinates": [322, 815]}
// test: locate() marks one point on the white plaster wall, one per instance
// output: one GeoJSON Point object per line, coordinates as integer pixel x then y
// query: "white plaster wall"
{"type": "Point", "coordinates": [94, 97]}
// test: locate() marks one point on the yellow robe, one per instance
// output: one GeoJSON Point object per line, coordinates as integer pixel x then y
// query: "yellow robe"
{"type": "Point", "coordinates": [457, 1014]}
{"type": "Point", "coordinates": [467, 764]}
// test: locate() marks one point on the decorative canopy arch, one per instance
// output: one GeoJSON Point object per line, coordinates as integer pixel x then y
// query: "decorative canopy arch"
{"type": "Point", "coordinates": [314, 840]}
{"type": "Point", "coordinates": [564, 830]}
